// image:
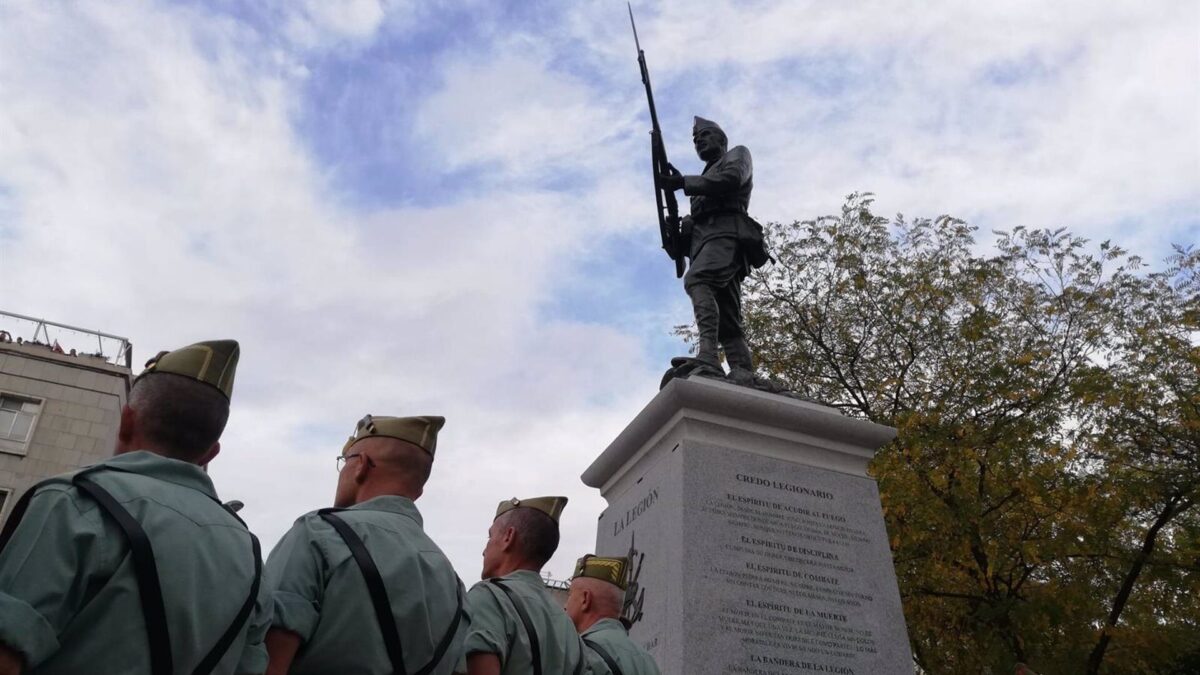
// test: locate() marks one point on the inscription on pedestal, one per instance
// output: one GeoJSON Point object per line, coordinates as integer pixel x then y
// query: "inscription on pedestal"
{"type": "Point", "coordinates": [792, 569]}
{"type": "Point", "coordinates": [757, 534]}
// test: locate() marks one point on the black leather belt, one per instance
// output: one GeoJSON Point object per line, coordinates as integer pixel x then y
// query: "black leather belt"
{"type": "Point", "coordinates": [718, 212]}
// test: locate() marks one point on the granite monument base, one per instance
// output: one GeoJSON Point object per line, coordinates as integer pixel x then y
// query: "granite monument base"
{"type": "Point", "coordinates": [757, 537]}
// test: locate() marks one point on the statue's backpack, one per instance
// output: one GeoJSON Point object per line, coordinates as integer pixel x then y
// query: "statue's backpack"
{"type": "Point", "coordinates": [753, 243]}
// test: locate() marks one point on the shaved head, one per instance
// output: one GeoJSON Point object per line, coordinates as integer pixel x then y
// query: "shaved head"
{"type": "Point", "coordinates": [401, 457]}
{"type": "Point", "coordinates": [180, 416]}
{"type": "Point", "coordinates": [591, 600]}
{"type": "Point", "coordinates": [382, 466]}
{"type": "Point", "coordinates": [537, 533]}
{"type": "Point", "coordinates": [607, 597]}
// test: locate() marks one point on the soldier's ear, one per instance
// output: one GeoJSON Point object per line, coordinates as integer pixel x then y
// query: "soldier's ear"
{"type": "Point", "coordinates": [209, 454]}
{"type": "Point", "coordinates": [363, 467]}
{"type": "Point", "coordinates": [509, 540]}
{"type": "Point", "coordinates": [126, 431]}
{"type": "Point", "coordinates": [585, 600]}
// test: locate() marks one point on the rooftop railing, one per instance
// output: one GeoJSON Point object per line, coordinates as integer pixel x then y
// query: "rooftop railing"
{"type": "Point", "coordinates": [555, 583]}
{"type": "Point", "coordinates": [67, 340]}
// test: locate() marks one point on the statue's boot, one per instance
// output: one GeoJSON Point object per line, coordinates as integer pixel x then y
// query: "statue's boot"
{"type": "Point", "coordinates": [704, 303]}
{"type": "Point", "coordinates": [707, 354]}
{"type": "Point", "coordinates": [741, 362]}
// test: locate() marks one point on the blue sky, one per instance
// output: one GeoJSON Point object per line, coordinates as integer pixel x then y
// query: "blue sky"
{"type": "Point", "coordinates": [445, 208]}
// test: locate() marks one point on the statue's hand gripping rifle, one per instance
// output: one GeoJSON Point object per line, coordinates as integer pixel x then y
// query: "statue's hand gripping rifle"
{"type": "Point", "coordinates": [668, 207]}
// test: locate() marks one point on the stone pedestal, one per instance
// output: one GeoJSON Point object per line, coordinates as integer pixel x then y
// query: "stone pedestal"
{"type": "Point", "coordinates": [757, 536]}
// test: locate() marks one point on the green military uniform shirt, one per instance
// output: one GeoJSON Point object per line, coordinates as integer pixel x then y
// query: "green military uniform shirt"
{"type": "Point", "coordinates": [318, 591]}
{"type": "Point", "coordinates": [496, 627]}
{"type": "Point", "coordinates": [611, 636]}
{"type": "Point", "coordinates": [69, 600]}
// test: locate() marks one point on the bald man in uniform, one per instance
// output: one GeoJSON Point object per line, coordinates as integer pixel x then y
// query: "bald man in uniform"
{"type": "Point", "coordinates": [133, 565]}
{"type": "Point", "coordinates": [516, 626]}
{"type": "Point", "coordinates": [360, 588]}
{"type": "Point", "coordinates": [594, 604]}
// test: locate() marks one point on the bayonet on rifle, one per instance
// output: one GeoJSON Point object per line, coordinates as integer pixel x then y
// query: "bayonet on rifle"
{"type": "Point", "coordinates": [668, 207]}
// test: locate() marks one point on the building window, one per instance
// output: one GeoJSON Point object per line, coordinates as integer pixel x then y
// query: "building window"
{"type": "Point", "coordinates": [4, 493]}
{"type": "Point", "coordinates": [17, 417]}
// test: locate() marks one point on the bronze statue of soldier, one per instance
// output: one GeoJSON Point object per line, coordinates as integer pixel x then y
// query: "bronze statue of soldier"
{"type": "Point", "coordinates": [719, 238]}
{"type": "Point", "coordinates": [722, 243]}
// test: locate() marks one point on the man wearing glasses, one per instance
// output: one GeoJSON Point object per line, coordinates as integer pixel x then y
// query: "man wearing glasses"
{"type": "Point", "coordinates": [360, 588]}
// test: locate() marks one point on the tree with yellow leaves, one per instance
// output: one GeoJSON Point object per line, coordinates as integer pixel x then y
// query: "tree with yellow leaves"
{"type": "Point", "coordinates": [1041, 495]}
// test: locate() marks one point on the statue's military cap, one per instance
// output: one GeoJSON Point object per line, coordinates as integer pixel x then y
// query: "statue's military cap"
{"type": "Point", "coordinates": [613, 570]}
{"type": "Point", "coordinates": [421, 431]}
{"type": "Point", "coordinates": [702, 123]}
{"type": "Point", "coordinates": [213, 362]}
{"type": "Point", "coordinates": [551, 506]}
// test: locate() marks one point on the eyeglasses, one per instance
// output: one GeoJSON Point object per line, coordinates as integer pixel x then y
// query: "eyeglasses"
{"type": "Point", "coordinates": [341, 460]}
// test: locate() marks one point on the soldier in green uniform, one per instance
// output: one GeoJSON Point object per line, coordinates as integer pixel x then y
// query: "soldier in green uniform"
{"type": "Point", "coordinates": [516, 626]}
{"type": "Point", "coordinates": [133, 565]}
{"type": "Point", "coordinates": [722, 236]}
{"type": "Point", "coordinates": [594, 605]}
{"type": "Point", "coordinates": [360, 588]}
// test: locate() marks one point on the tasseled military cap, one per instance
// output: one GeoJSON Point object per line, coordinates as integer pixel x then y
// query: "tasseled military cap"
{"type": "Point", "coordinates": [613, 570]}
{"type": "Point", "coordinates": [702, 123]}
{"type": "Point", "coordinates": [551, 506]}
{"type": "Point", "coordinates": [421, 431]}
{"type": "Point", "coordinates": [213, 362]}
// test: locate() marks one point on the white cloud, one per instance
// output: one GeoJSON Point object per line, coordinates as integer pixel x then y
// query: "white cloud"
{"type": "Point", "coordinates": [511, 110]}
{"type": "Point", "coordinates": [1077, 114]}
{"type": "Point", "coordinates": [322, 23]}
{"type": "Point", "coordinates": [161, 193]}
{"type": "Point", "coordinates": [152, 184]}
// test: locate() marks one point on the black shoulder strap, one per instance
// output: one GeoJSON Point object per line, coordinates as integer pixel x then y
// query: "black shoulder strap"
{"type": "Point", "coordinates": [214, 656]}
{"type": "Point", "coordinates": [535, 647]}
{"type": "Point", "coordinates": [18, 512]}
{"type": "Point", "coordinates": [603, 654]}
{"type": "Point", "coordinates": [142, 554]}
{"type": "Point", "coordinates": [444, 644]}
{"type": "Point", "coordinates": [582, 660]}
{"type": "Point", "coordinates": [379, 597]}
{"type": "Point", "coordinates": [146, 571]}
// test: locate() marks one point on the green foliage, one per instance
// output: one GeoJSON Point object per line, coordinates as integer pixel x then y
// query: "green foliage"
{"type": "Point", "coordinates": [1041, 492]}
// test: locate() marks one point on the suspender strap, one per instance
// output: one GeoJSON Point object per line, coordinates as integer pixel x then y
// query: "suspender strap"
{"type": "Point", "coordinates": [214, 657]}
{"type": "Point", "coordinates": [146, 571]}
{"type": "Point", "coordinates": [379, 597]}
{"type": "Point", "coordinates": [535, 648]}
{"type": "Point", "coordinates": [449, 636]}
{"type": "Point", "coordinates": [582, 661]}
{"type": "Point", "coordinates": [608, 659]}
{"type": "Point", "coordinates": [142, 554]}
{"type": "Point", "coordinates": [18, 512]}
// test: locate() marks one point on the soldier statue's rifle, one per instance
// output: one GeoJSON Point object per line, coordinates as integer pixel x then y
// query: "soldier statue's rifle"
{"type": "Point", "coordinates": [668, 207]}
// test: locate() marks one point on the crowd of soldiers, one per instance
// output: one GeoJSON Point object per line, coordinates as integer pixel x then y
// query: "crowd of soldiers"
{"type": "Point", "coordinates": [134, 565]}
